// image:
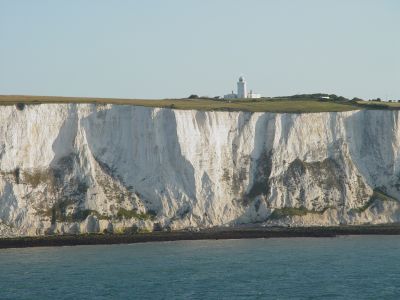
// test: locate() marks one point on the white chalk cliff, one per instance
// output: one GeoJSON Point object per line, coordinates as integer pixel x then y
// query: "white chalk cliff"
{"type": "Point", "coordinates": [74, 168]}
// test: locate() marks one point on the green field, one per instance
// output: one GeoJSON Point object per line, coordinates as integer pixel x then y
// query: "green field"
{"type": "Point", "coordinates": [279, 105]}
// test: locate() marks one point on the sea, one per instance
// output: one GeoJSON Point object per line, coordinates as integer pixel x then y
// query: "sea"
{"type": "Point", "coordinates": [349, 267]}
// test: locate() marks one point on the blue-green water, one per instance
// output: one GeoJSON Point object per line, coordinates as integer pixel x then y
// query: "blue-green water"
{"type": "Point", "coordinates": [363, 267]}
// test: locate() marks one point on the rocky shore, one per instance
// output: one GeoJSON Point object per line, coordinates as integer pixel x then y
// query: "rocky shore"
{"type": "Point", "coordinates": [220, 233]}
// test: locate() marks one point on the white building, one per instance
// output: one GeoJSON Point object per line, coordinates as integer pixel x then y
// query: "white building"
{"type": "Point", "coordinates": [242, 91]}
{"type": "Point", "coordinates": [230, 96]}
{"type": "Point", "coordinates": [253, 95]}
{"type": "Point", "coordinates": [241, 88]}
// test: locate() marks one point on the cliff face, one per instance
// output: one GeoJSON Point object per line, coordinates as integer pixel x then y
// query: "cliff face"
{"type": "Point", "coordinates": [70, 168]}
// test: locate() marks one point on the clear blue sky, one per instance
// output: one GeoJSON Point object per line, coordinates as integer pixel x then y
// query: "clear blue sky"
{"type": "Point", "coordinates": [159, 49]}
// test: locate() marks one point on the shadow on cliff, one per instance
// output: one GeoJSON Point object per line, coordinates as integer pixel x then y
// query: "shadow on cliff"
{"type": "Point", "coordinates": [65, 155]}
{"type": "Point", "coordinates": [256, 194]}
{"type": "Point", "coordinates": [66, 183]}
{"type": "Point", "coordinates": [371, 137]}
{"type": "Point", "coordinates": [140, 148]}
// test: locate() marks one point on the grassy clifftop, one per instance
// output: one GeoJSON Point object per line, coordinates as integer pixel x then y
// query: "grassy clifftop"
{"type": "Point", "coordinates": [279, 105]}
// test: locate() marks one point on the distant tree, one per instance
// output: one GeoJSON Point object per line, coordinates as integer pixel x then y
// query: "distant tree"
{"type": "Point", "coordinates": [20, 106]}
{"type": "Point", "coordinates": [318, 96]}
{"type": "Point", "coordinates": [341, 98]}
{"type": "Point", "coordinates": [378, 99]}
{"type": "Point", "coordinates": [398, 100]}
{"type": "Point", "coordinates": [390, 100]}
{"type": "Point", "coordinates": [193, 96]}
{"type": "Point", "coordinates": [356, 99]}
{"type": "Point", "coordinates": [216, 97]}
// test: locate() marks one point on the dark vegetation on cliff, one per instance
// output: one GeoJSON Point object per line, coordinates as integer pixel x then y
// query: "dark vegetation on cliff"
{"type": "Point", "coordinates": [291, 104]}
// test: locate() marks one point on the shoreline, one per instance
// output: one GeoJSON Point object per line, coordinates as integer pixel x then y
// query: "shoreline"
{"type": "Point", "coordinates": [208, 234]}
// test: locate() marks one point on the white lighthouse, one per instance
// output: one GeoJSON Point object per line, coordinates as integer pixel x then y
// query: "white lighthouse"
{"type": "Point", "coordinates": [241, 88]}
{"type": "Point", "coordinates": [242, 91]}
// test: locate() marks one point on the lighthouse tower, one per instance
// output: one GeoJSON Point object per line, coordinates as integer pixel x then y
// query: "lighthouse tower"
{"type": "Point", "coordinates": [241, 88]}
